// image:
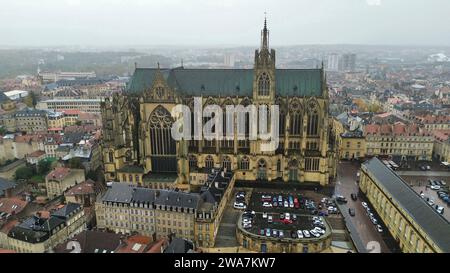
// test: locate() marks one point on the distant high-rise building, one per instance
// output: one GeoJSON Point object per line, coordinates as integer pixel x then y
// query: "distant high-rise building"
{"type": "Point", "coordinates": [333, 62]}
{"type": "Point", "coordinates": [229, 60]}
{"type": "Point", "coordinates": [348, 62]}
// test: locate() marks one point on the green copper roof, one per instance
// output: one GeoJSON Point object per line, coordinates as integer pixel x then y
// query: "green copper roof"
{"type": "Point", "coordinates": [228, 82]}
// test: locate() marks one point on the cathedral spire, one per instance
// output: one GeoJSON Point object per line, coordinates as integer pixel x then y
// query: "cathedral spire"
{"type": "Point", "coordinates": [265, 35]}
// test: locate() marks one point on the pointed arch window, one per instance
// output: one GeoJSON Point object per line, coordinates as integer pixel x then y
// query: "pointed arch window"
{"type": "Point", "coordinates": [313, 120]}
{"type": "Point", "coordinates": [263, 85]}
{"type": "Point", "coordinates": [245, 163]}
{"type": "Point", "coordinates": [262, 170]}
{"type": "Point", "coordinates": [296, 119]}
{"type": "Point", "coordinates": [226, 163]}
{"type": "Point", "coordinates": [160, 123]}
{"type": "Point", "coordinates": [192, 163]}
{"type": "Point", "coordinates": [209, 162]}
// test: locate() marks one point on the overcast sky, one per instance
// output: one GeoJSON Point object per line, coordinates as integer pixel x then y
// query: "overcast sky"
{"type": "Point", "coordinates": [223, 22]}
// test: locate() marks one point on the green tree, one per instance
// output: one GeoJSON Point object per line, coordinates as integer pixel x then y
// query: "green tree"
{"type": "Point", "coordinates": [75, 163]}
{"type": "Point", "coordinates": [43, 166]}
{"type": "Point", "coordinates": [92, 175]}
{"type": "Point", "coordinates": [24, 173]}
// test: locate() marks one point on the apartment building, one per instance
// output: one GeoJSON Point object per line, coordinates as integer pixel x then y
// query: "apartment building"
{"type": "Point", "coordinates": [126, 208]}
{"type": "Point", "coordinates": [61, 179]}
{"type": "Point", "coordinates": [402, 142]}
{"type": "Point", "coordinates": [38, 234]}
{"type": "Point", "coordinates": [31, 120]}
{"type": "Point", "coordinates": [352, 145]}
{"type": "Point", "coordinates": [415, 225]}
{"type": "Point", "coordinates": [84, 105]}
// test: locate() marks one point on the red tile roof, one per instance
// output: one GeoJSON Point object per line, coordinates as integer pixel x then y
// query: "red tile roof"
{"type": "Point", "coordinates": [396, 129]}
{"type": "Point", "coordinates": [58, 173]}
{"type": "Point", "coordinates": [86, 187]}
{"type": "Point", "coordinates": [37, 154]}
{"type": "Point", "coordinates": [134, 244]}
{"type": "Point", "coordinates": [71, 112]}
{"type": "Point", "coordinates": [12, 205]}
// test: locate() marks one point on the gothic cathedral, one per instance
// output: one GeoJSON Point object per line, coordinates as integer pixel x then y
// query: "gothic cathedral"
{"type": "Point", "coordinates": [138, 147]}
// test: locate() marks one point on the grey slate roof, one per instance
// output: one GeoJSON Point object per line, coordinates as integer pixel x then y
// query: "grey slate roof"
{"type": "Point", "coordinates": [436, 226]}
{"type": "Point", "coordinates": [228, 82]}
{"type": "Point", "coordinates": [5, 184]}
{"type": "Point", "coordinates": [126, 193]}
{"type": "Point", "coordinates": [179, 245]}
{"type": "Point", "coordinates": [67, 210]}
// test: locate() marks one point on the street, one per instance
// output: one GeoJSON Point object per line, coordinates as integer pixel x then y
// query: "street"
{"type": "Point", "coordinates": [346, 185]}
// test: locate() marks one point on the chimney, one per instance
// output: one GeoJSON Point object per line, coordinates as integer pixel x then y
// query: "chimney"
{"type": "Point", "coordinates": [8, 193]}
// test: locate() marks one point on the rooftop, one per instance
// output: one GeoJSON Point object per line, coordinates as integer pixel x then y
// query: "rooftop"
{"type": "Point", "coordinates": [228, 82]}
{"type": "Point", "coordinates": [433, 224]}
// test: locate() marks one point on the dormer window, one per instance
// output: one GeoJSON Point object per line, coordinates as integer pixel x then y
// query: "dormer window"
{"type": "Point", "coordinates": [263, 85]}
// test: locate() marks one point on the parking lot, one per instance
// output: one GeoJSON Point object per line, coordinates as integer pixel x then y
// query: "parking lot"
{"type": "Point", "coordinates": [288, 212]}
{"type": "Point", "coordinates": [420, 185]}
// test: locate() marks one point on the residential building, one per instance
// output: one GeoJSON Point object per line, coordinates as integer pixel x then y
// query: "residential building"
{"type": "Point", "coordinates": [353, 145]}
{"type": "Point", "coordinates": [61, 179]}
{"type": "Point", "coordinates": [399, 141]}
{"type": "Point", "coordinates": [84, 105]}
{"type": "Point", "coordinates": [126, 208]}
{"type": "Point", "coordinates": [31, 120]}
{"type": "Point", "coordinates": [38, 234]}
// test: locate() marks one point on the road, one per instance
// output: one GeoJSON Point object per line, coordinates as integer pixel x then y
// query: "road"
{"type": "Point", "coordinates": [346, 185]}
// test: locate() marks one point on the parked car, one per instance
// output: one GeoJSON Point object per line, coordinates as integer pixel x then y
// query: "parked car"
{"type": "Point", "coordinates": [239, 205]}
{"type": "Point", "coordinates": [264, 216]}
{"type": "Point", "coordinates": [293, 234]}
{"type": "Point", "coordinates": [341, 199]}
{"type": "Point", "coordinates": [294, 217]}
{"type": "Point", "coordinates": [266, 197]}
{"type": "Point", "coordinates": [287, 216]}
{"type": "Point", "coordinates": [440, 210]}
{"type": "Point", "coordinates": [281, 216]}
{"type": "Point", "coordinates": [270, 219]}
{"type": "Point", "coordinates": [314, 233]}
{"type": "Point", "coordinates": [286, 204]}
{"type": "Point", "coordinates": [306, 234]}
{"type": "Point", "coordinates": [262, 232]}
{"type": "Point", "coordinates": [379, 229]}
{"type": "Point", "coordinates": [351, 212]}
{"type": "Point", "coordinates": [299, 234]}
{"type": "Point", "coordinates": [374, 221]}
{"type": "Point", "coordinates": [319, 230]}
{"type": "Point", "coordinates": [423, 168]}
{"type": "Point", "coordinates": [364, 204]}
{"type": "Point", "coordinates": [435, 187]}
{"type": "Point", "coordinates": [268, 232]}
{"type": "Point", "coordinates": [280, 198]}
{"type": "Point", "coordinates": [353, 196]}
{"type": "Point", "coordinates": [267, 205]}
{"type": "Point", "coordinates": [240, 194]}
{"type": "Point", "coordinates": [280, 234]}
{"type": "Point", "coordinates": [274, 233]}
{"type": "Point", "coordinates": [249, 213]}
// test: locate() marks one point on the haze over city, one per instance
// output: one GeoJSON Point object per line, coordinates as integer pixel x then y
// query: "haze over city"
{"type": "Point", "coordinates": [222, 23]}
